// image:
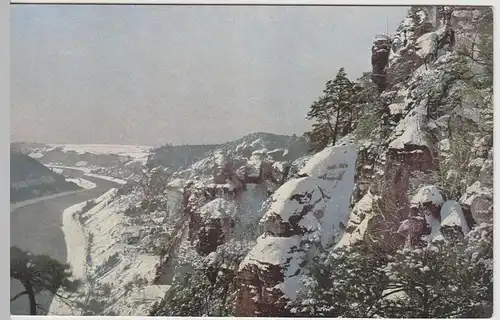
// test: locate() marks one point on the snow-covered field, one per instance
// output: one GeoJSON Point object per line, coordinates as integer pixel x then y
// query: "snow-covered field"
{"type": "Point", "coordinates": [87, 173]}
{"type": "Point", "coordinates": [138, 153]}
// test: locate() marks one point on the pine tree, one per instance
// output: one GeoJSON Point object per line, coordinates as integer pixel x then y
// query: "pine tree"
{"type": "Point", "coordinates": [39, 273]}
{"type": "Point", "coordinates": [447, 279]}
{"type": "Point", "coordinates": [346, 283]}
{"type": "Point", "coordinates": [332, 112]}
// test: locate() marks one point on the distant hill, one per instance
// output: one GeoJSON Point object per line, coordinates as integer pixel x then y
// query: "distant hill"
{"type": "Point", "coordinates": [25, 147]}
{"type": "Point", "coordinates": [31, 179]}
{"type": "Point", "coordinates": [176, 157]}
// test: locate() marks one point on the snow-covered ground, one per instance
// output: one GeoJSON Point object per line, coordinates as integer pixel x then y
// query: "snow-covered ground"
{"type": "Point", "coordinates": [75, 247]}
{"type": "Point", "coordinates": [57, 170]}
{"type": "Point", "coordinates": [119, 265]}
{"type": "Point", "coordinates": [85, 184]}
{"type": "Point", "coordinates": [36, 155]}
{"type": "Point", "coordinates": [99, 253]}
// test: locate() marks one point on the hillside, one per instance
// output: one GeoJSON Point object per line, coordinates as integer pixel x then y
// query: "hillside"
{"type": "Point", "coordinates": [117, 161]}
{"type": "Point", "coordinates": [30, 179]}
{"type": "Point", "coordinates": [177, 157]}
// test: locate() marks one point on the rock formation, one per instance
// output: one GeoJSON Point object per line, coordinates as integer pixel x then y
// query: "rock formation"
{"type": "Point", "coordinates": [421, 120]}
{"type": "Point", "coordinates": [308, 211]}
{"type": "Point", "coordinates": [380, 57]}
{"type": "Point", "coordinates": [228, 189]}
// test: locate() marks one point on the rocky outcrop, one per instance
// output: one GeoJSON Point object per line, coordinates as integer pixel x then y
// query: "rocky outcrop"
{"type": "Point", "coordinates": [229, 184]}
{"type": "Point", "coordinates": [182, 157]}
{"type": "Point", "coordinates": [226, 189]}
{"type": "Point", "coordinates": [425, 215]}
{"type": "Point", "coordinates": [380, 58]}
{"type": "Point", "coordinates": [420, 119]}
{"type": "Point", "coordinates": [307, 212]}
{"type": "Point", "coordinates": [477, 202]}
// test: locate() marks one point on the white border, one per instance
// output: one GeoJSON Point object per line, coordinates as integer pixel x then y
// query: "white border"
{"type": "Point", "coordinates": [264, 2]}
{"type": "Point", "coordinates": [5, 89]}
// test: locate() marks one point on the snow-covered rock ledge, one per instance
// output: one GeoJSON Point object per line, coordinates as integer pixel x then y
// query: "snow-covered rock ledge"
{"type": "Point", "coordinates": [85, 184]}
{"type": "Point", "coordinates": [308, 211]}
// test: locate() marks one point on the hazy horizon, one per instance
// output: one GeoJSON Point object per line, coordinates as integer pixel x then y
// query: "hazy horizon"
{"type": "Point", "coordinates": [157, 74]}
{"type": "Point", "coordinates": [149, 145]}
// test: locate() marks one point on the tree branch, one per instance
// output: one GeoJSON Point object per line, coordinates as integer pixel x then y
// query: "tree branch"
{"type": "Point", "coordinates": [18, 295]}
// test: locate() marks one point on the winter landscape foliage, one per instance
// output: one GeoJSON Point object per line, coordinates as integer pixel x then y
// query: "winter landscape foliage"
{"type": "Point", "coordinates": [383, 209]}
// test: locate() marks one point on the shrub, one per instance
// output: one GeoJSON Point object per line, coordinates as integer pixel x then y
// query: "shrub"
{"type": "Point", "coordinates": [204, 290]}
{"type": "Point", "coordinates": [443, 280]}
{"type": "Point", "coordinates": [366, 125]}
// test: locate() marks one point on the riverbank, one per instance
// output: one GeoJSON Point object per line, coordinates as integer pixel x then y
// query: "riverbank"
{"type": "Point", "coordinates": [83, 183]}
{"type": "Point", "coordinates": [77, 246]}
{"type": "Point", "coordinates": [116, 270]}
{"type": "Point", "coordinates": [35, 226]}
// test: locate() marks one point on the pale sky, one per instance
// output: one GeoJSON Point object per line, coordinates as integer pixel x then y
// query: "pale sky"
{"type": "Point", "coordinates": [152, 75]}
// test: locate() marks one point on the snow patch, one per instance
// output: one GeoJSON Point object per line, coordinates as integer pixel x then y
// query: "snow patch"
{"type": "Point", "coordinates": [85, 170]}
{"type": "Point", "coordinates": [427, 194]}
{"type": "Point", "coordinates": [270, 250]}
{"type": "Point", "coordinates": [82, 183]}
{"type": "Point", "coordinates": [452, 215]}
{"type": "Point", "coordinates": [57, 170]}
{"type": "Point", "coordinates": [36, 155]}
{"type": "Point", "coordinates": [396, 108]}
{"type": "Point", "coordinates": [218, 208]}
{"type": "Point", "coordinates": [427, 44]}
{"type": "Point", "coordinates": [410, 131]}
{"type": "Point", "coordinates": [331, 163]}
{"type": "Point", "coordinates": [261, 152]}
